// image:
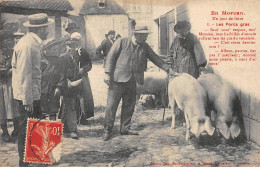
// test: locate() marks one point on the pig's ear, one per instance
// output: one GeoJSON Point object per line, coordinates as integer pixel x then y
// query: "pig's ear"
{"type": "Point", "coordinates": [208, 126]}
{"type": "Point", "coordinates": [234, 130]}
{"type": "Point", "coordinates": [195, 128]}
{"type": "Point", "coordinates": [223, 128]}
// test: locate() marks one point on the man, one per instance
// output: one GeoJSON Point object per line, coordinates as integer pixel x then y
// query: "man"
{"type": "Point", "coordinates": [26, 70]}
{"type": "Point", "coordinates": [187, 53]}
{"type": "Point", "coordinates": [72, 27]}
{"type": "Point", "coordinates": [105, 46]}
{"type": "Point", "coordinates": [124, 67]}
{"type": "Point", "coordinates": [53, 80]}
{"type": "Point", "coordinates": [77, 64]}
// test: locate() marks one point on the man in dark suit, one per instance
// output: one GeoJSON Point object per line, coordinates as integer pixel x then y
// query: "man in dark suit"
{"type": "Point", "coordinates": [105, 46]}
{"type": "Point", "coordinates": [124, 67]}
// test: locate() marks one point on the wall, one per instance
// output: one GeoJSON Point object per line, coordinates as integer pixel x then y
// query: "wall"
{"type": "Point", "coordinates": [99, 25]}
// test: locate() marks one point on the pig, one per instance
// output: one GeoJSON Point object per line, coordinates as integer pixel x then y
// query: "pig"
{"type": "Point", "coordinates": [147, 100]}
{"type": "Point", "coordinates": [154, 83]}
{"type": "Point", "coordinates": [221, 96]}
{"type": "Point", "coordinates": [187, 93]}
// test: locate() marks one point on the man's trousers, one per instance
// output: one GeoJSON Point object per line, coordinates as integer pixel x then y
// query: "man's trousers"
{"type": "Point", "coordinates": [117, 91]}
{"type": "Point", "coordinates": [22, 126]}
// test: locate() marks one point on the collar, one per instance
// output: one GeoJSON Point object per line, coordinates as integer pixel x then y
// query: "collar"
{"type": "Point", "coordinates": [39, 40]}
{"type": "Point", "coordinates": [179, 35]}
{"type": "Point", "coordinates": [134, 41]}
{"type": "Point", "coordinates": [111, 40]}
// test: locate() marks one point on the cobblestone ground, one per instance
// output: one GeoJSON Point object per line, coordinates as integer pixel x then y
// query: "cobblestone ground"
{"type": "Point", "coordinates": [156, 144]}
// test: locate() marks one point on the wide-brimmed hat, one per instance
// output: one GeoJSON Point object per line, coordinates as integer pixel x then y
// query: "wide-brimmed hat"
{"type": "Point", "coordinates": [38, 20]}
{"type": "Point", "coordinates": [182, 25]}
{"type": "Point", "coordinates": [71, 26]}
{"type": "Point", "coordinates": [142, 30]}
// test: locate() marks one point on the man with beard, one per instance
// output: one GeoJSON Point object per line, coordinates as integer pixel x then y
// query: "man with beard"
{"type": "Point", "coordinates": [26, 70]}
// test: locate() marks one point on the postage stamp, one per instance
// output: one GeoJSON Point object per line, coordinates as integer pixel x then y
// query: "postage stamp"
{"type": "Point", "coordinates": [43, 141]}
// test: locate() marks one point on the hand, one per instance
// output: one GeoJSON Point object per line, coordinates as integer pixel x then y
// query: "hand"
{"type": "Point", "coordinates": [28, 108]}
{"type": "Point", "coordinates": [57, 92]}
{"type": "Point", "coordinates": [172, 73]}
{"type": "Point", "coordinates": [107, 79]}
{"type": "Point", "coordinates": [202, 69]}
{"type": "Point", "coordinates": [81, 71]}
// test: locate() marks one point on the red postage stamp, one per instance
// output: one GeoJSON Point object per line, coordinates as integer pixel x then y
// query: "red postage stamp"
{"type": "Point", "coordinates": [43, 141]}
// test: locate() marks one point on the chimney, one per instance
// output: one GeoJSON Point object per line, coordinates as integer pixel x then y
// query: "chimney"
{"type": "Point", "coordinates": [101, 3]}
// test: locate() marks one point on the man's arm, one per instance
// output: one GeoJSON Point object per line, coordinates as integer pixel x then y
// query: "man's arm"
{"type": "Point", "coordinates": [100, 49]}
{"type": "Point", "coordinates": [112, 56]}
{"type": "Point", "coordinates": [111, 60]}
{"type": "Point", "coordinates": [24, 64]}
{"type": "Point", "coordinates": [156, 59]}
{"type": "Point", "coordinates": [199, 53]}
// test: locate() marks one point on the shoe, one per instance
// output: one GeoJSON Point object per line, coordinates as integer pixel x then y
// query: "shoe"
{"type": "Point", "coordinates": [23, 164]}
{"type": "Point", "coordinates": [83, 122]}
{"type": "Point", "coordinates": [74, 135]}
{"type": "Point", "coordinates": [129, 133]}
{"type": "Point", "coordinates": [5, 137]}
{"type": "Point", "coordinates": [106, 136]}
{"type": "Point", "coordinates": [14, 136]}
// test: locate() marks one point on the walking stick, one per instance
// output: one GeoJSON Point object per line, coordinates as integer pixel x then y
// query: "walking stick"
{"type": "Point", "coordinates": [165, 98]}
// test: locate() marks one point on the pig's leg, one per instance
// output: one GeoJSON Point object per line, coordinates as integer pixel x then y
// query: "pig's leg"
{"type": "Point", "coordinates": [163, 95]}
{"type": "Point", "coordinates": [137, 98]}
{"type": "Point", "coordinates": [187, 127]}
{"type": "Point", "coordinates": [173, 105]}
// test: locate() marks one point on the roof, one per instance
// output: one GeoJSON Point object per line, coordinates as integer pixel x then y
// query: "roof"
{"type": "Point", "coordinates": [91, 7]}
{"type": "Point", "coordinates": [56, 5]}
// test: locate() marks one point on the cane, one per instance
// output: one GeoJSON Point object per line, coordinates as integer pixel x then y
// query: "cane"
{"type": "Point", "coordinates": [165, 98]}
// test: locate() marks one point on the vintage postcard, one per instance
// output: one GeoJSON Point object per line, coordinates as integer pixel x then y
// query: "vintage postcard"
{"type": "Point", "coordinates": [129, 83]}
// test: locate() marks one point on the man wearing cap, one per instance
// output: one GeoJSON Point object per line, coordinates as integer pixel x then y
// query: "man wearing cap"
{"type": "Point", "coordinates": [105, 46]}
{"type": "Point", "coordinates": [53, 80]}
{"type": "Point", "coordinates": [77, 64]}
{"type": "Point", "coordinates": [187, 53]}
{"type": "Point", "coordinates": [26, 70]}
{"type": "Point", "coordinates": [124, 67]}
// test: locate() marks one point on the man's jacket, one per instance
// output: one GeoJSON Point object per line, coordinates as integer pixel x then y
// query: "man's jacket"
{"type": "Point", "coordinates": [26, 69]}
{"type": "Point", "coordinates": [126, 60]}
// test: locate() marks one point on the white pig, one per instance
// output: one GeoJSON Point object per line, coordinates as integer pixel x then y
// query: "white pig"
{"type": "Point", "coordinates": [154, 83]}
{"type": "Point", "coordinates": [221, 97]}
{"type": "Point", "coordinates": [185, 91]}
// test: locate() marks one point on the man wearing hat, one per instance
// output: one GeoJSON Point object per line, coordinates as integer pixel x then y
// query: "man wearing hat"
{"type": "Point", "coordinates": [26, 70]}
{"type": "Point", "coordinates": [105, 46]}
{"type": "Point", "coordinates": [53, 80]}
{"type": "Point", "coordinates": [124, 67]}
{"type": "Point", "coordinates": [187, 53]}
{"type": "Point", "coordinates": [72, 27]}
{"type": "Point", "coordinates": [77, 64]}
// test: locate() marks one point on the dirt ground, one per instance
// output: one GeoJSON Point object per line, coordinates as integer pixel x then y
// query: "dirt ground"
{"type": "Point", "coordinates": [156, 145]}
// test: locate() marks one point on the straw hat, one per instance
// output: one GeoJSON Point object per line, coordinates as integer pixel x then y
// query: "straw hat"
{"type": "Point", "coordinates": [142, 30]}
{"type": "Point", "coordinates": [38, 20]}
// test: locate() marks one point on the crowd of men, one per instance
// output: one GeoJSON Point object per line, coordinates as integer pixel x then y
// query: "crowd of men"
{"type": "Point", "coordinates": [51, 76]}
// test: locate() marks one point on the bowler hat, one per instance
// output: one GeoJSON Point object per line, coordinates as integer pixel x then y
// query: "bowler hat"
{"type": "Point", "coordinates": [70, 26]}
{"type": "Point", "coordinates": [111, 32]}
{"type": "Point", "coordinates": [38, 20]}
{"type": "Point", "coordinates": [182, 25]}
{"type": "Point", "coordinates": [142, 30]}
